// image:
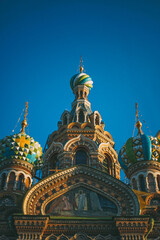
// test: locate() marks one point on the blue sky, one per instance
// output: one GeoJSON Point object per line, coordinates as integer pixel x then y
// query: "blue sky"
{"type": "Point", "coordinates": [40, 47]}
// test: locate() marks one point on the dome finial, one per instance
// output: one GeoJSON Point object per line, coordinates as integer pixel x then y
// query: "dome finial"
{"type": "Point", "coordinates": [81, 68]}
{"type": "Point", "coordinates": [138, 123]}
{"type": "Point", "coordinates": [24, 122]}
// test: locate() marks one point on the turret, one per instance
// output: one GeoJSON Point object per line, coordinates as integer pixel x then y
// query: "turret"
{"type": "Point", "coordinates": [20, 155]}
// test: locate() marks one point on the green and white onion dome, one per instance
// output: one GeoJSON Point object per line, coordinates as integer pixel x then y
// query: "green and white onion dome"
{"type": "Point", "coordinates": [81, 79]}
{"type": "Point", "coordinates": [139, 148]}
{"type": "Point", "coordinates": [21, 146]}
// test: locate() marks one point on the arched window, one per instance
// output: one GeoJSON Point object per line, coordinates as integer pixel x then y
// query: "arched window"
{"type": "Point", "coordinates": [134, 183]}
{"type": "Point", "coordinates": [3, 180]}
{"type": "Point", "coordinates": [107, 163]}
{"type": "Point", "coordinates": [151, 183]}
{"type": "Point", "coordinates": [11, 181]}
{"type": "Point", "coordinates": [20, 182]}
{"type": "Point", "coordinates": [81, 157]}
{"type": "Point", "coordinates": [54, 163]}
{"type": "Point", "coordinates": [142, 183]}
{"type": "Point", "coordinates": [158, 181]}
{"type": "Point", "coordinates": [81, 116]}
{"type": "Point", "coordinates": [97, 120]}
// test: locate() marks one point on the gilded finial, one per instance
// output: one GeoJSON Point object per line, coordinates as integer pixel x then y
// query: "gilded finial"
{"type": "Point", "coordinates": [24, 122]}
{"type": "Point", "coordinates": [138, 123]}
{"type": "Point", "coordinates": [81, 68]}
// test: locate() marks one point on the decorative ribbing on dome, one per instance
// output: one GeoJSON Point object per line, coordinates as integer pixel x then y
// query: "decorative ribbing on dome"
{"type": "Point", "coordinates": [81, 79]}
{"type": "Point", "coordinates": [147, 147]}
{"type": "Point", "coordinates": [139, 148]}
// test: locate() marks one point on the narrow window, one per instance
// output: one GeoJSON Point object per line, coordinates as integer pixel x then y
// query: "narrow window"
{"type": "Point", "coordinates": [151, 183]}
{"type": "Point", "coordinates": [97, 120]}
{"type": "Point", "coordinates": [142, 183]}
{"type": "Point", "coordinates": [81, 94]}
{"type": "Point", "coordinates": [81, 157]}
{"type": "Point", "coordinates": [81, 116]}
{"type": "Point", "coordinates": [20, 182]}
{"type": "Point", "coordinates": [107, 163]}
{"type": "Point", "coordinates": [11, 181]}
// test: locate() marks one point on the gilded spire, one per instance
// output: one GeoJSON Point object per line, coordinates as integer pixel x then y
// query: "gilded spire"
{"type": "Point", "coordinates": [24, 122]}
{"type": "Point", "coordinates": [81, 68]}
{"type": "Point", "coordinates": [138, 123]}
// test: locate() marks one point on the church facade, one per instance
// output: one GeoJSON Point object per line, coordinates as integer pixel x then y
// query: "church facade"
{"type": "Point", "coordinates": [80, 195]}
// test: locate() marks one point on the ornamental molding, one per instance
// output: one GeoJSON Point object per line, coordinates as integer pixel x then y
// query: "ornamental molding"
{"type": "Point", "coordinates": [19, 162]}
{"type": "Point", "coordinates": [58, 183]}
{"type": "Point", "coordinates": [107, 148]}
{"type": "Point", "coordinates": [148, 165]}
{"type": "Point", "coordinates": [54, 148]}
{"type": "Point", "coordinates": [80, 141]}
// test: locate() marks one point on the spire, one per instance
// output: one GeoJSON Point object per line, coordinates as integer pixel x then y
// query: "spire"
{"type": "Point", "coordinates": [24, 122]}
{"type": "Point", "coordinates": [81, 68]}
{"type": "Point", "coordinates": [138, 123]}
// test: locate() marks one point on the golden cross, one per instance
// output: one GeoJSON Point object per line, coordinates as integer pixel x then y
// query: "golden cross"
{"type": "Point", "coordinates": [138, 123]}
{"type": "Point", "coordinates": [24, 122]}
{"type": "Point", "coordinates": [81, 67]}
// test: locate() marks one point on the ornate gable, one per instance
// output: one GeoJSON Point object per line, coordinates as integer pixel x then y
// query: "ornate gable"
{"type": "Point", "coordinates": [86, 184]}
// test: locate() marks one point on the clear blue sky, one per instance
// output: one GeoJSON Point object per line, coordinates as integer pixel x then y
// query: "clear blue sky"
{"type": "Point", "coordinates": [40, 47]}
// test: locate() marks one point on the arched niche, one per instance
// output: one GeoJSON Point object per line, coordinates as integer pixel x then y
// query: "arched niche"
{"type": "Point", "coordinates": [11, 181]}
{"type": "Point", "coordinates": [108, 164]}
{"type": "Point", "coordinates": [20, 182]}
{"type": "Point", "coordinates": [151, 183]}
{"type": "Point", "coordinates": [81, 156]}
{"type": "Point", "coordinates": [82, 201]}
{"type": "Point", "coordinates": [142, 183]}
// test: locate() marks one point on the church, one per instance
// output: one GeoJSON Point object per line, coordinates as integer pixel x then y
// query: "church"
{"type": "Point", "coordinates": [80, 195]}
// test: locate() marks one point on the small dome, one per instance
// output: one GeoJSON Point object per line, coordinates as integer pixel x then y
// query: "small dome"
{"type": "Point", "coordinates": [20, 146]}
{"type": "Point", "coordinates": [139, 148]}
{"type": "Point", "coordinates": [81, 79]}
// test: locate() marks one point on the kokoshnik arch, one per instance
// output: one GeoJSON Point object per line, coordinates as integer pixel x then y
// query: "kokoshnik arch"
{"type": "Point", "coordinates": [80, 195]}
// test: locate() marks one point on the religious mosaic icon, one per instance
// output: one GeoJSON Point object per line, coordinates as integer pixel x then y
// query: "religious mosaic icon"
{"type": "Point", "coordinates": [82, 202]}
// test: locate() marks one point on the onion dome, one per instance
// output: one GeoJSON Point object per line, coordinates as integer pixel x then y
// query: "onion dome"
{"type": "Point", "coordinates": [81, 79]}
{"type": "Point", "coordinates": [20, 146]}
{"type": "Point", "coordinates": [139, 148]}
